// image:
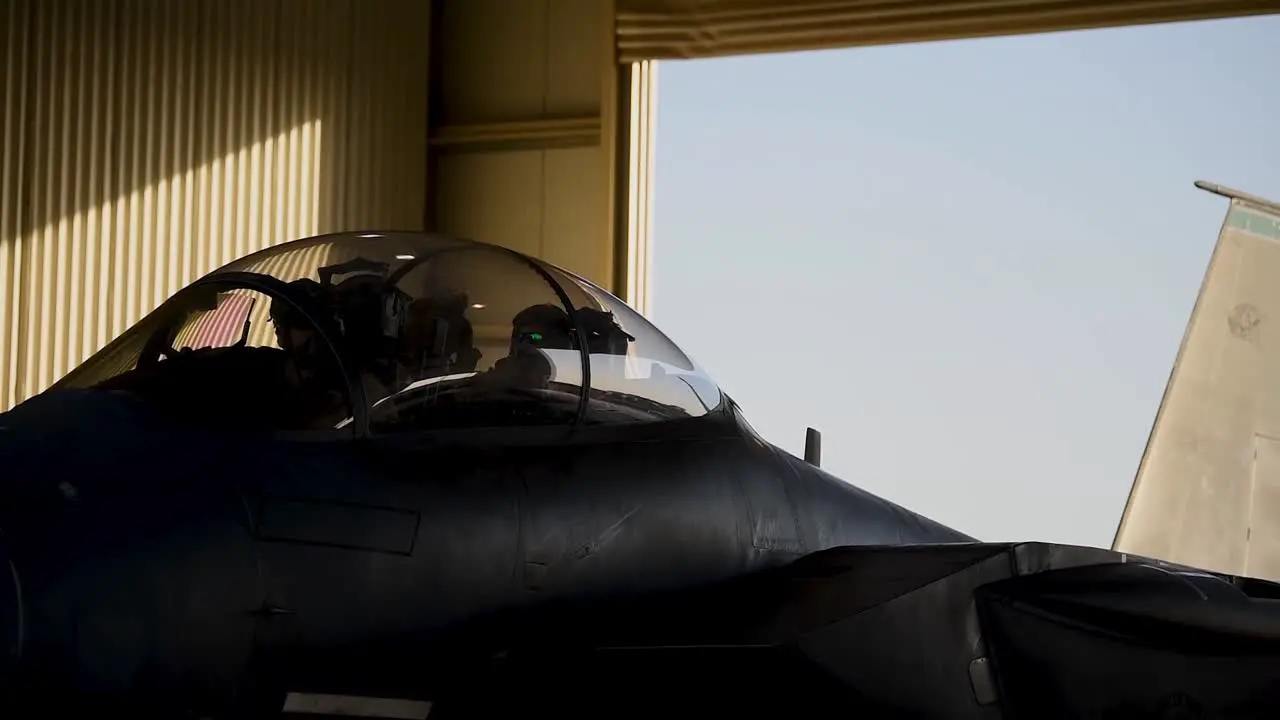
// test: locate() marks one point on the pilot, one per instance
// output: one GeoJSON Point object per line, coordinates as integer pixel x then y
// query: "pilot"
{"type": "Point", "coordinates": [548, 327]}
{"type": "Point", "coordinates": [310, 370]}
{"type": "Point", "coordinates": [369, 315]}
{"type": "Point", "coordinates": [294, 334]}
{"type": "Point", "coordinates": [534, 329]}
{"type": "Point", "coordinates": [542, 326]}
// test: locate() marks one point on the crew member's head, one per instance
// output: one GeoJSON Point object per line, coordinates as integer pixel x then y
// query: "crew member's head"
{"type": "Point", "coordinates": [295, 333]}
{"type": "Point", "coordinates": [545, 327]}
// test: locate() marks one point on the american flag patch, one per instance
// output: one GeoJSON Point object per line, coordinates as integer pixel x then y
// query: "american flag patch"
{"type": "Point", "coordinates": [219, 327]}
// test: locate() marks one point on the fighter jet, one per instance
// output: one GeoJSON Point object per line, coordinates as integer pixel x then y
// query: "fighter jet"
{"type": "Point", "coordinates": [402, 474]}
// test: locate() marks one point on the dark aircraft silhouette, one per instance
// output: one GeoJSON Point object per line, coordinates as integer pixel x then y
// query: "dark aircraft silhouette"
{"type": "Point", "coordinates": [400, 474]}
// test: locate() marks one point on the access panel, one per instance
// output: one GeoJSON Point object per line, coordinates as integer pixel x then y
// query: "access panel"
{"type": "Point", "coordinates": [1262, 544]}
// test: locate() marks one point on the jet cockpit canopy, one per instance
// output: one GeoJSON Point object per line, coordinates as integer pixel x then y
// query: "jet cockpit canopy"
{"type": "Point", "coordinates": [399, 332]}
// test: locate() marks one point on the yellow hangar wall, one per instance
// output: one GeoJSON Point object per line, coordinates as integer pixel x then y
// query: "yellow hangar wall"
{"type": "Point", "coordinates": [146, 142]}
{"type": "Point", "coordinates": [539, 139]}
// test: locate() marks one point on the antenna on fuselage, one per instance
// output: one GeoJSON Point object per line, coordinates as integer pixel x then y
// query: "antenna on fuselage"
{"type": "Point", "coordinates": [813, 447]}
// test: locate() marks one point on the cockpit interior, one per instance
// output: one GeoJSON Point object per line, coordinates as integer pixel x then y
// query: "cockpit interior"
{"type": "Point", "coordinates": [387, 333]}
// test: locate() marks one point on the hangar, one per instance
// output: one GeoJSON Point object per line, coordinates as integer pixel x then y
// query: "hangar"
{"type": "Point", "coordinates": [145, 142]}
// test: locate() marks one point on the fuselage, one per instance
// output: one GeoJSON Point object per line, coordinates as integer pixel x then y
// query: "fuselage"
{"type": "Point", "coordinates": [163, 561]}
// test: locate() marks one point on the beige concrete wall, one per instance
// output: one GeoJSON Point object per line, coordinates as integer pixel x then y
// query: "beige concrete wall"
{"type": "Point", "coordinates": [145, 142]}
{"type": "Point", "coordinates": [522, 128]}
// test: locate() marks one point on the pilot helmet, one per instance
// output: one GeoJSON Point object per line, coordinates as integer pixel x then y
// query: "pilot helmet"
{"type": "Point", "coordinates": [542, 326]}
{"type": "Point", "coordinates": [548, 327]}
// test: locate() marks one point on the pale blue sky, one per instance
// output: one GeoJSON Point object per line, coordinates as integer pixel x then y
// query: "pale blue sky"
{"type": "Point", "coordinates": [969, 264]}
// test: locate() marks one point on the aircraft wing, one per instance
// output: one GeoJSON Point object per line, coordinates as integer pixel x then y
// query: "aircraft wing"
{"type": "Point", "coordinates": [957, 631]}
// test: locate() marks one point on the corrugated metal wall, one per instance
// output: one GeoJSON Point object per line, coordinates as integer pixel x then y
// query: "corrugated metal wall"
{"type": "Point", "coordinates": [146, 142]}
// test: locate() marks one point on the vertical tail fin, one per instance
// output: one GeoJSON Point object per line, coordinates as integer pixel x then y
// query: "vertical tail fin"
{"type": "Point", "coordinates": [1207, 491]}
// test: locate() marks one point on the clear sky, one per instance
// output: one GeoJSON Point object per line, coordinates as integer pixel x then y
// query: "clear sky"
{"type": "Point", "coordinates": [969, 264]}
